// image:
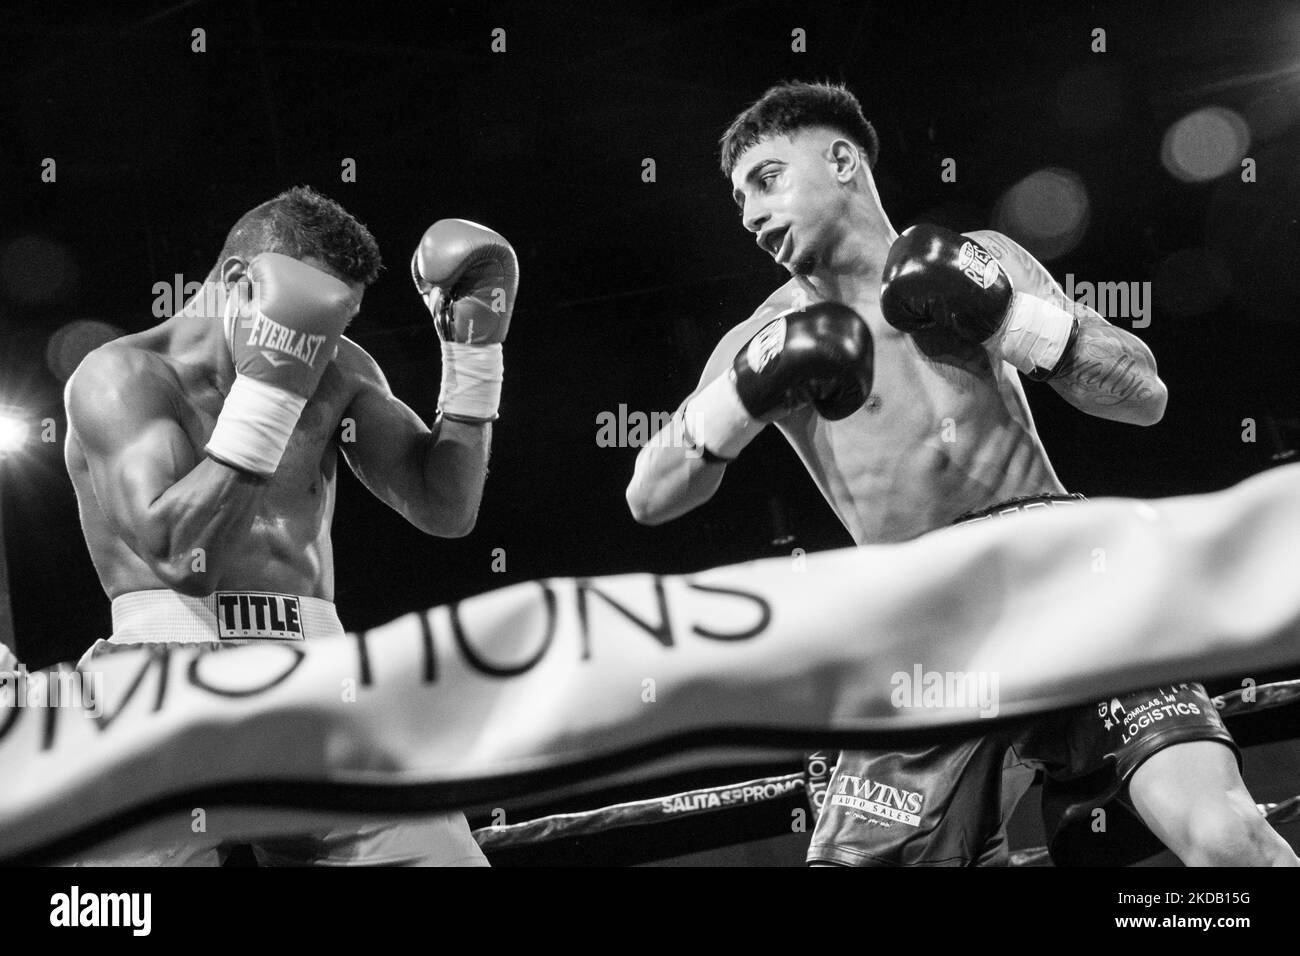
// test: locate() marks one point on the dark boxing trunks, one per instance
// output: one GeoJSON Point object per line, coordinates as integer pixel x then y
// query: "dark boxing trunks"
{"type": "Point", "coordinates": [947, 804]}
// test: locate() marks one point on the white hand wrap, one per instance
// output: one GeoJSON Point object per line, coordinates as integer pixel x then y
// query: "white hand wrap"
{"type": "Point", "coordinates": [717, 420]}
{"type": "Point", "coordinates": [471, 381]}
{"type": "Point", "coordinates": [254, 426]}
{"type": "Point", "coordinates": [1034, 334]}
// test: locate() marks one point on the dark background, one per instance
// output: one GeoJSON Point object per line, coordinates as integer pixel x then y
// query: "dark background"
{"type": "Point", "coordinates": [626, 285]}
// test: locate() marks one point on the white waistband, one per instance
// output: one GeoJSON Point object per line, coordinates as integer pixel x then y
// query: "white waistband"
{"type": "Point", "coordinates": [167, 617]}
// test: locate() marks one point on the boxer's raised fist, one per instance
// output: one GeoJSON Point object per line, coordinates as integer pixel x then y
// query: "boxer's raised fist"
{"type": "Point", "coordinates": [935, 278]}
{"type": "Point", "coordinates": [820, 355]}
{"type": "Point", "coordinates": [468, 276]}
{"type": "Point", "coordinates": [287, 331]}
{"type": "Point", "coordinates": [280, 342]}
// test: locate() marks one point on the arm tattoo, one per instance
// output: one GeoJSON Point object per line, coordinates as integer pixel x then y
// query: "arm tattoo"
{"type": "Point", "coordinates": [1106, 368]}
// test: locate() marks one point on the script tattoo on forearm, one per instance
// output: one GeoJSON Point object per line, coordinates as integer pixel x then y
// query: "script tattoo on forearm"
{"type": "Point", "coordinates": [1107, 368]}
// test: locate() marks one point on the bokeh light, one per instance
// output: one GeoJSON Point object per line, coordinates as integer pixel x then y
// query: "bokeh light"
{"type": "Point", "coordinates": [13, 429]}
{"type": "Point", "coordinates": [73, 342]}
{"type": "Point", "coordinates": [1047, 212]}
{"type": "Point", "coordinates": [1205, 144]}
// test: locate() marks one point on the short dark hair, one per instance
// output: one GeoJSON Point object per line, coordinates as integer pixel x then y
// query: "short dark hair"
{"type": "Point", "coordinates": [791, 106]}
{"type": "Point", "coordinates": [301, 222]}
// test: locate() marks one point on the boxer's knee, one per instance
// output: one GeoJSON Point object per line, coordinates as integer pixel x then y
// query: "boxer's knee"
{"type": "Point", "coordinates": [1229, 830]}
{"type": "Point", "coordinates": [1192, 797]}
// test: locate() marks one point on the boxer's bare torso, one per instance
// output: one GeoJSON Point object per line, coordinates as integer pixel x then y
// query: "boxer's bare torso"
{"type": "Point", "coordinates": [943, 432]}
{"type": "Point", "coordinates": [287, 546]}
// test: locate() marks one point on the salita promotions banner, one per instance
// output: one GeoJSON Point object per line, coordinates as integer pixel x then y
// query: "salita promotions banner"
{"type": "Point", "coordinates": [567, 686]}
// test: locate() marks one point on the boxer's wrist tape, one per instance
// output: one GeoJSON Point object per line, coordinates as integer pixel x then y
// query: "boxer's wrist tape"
{"type": "Point", "coordinates": [708, 457]}
{"type": "Point", "coordinates": [254, 426]}
{"type": "Point", "coordinates": [1035, 335]}
{"type": "Point", "coordinates": [718, 421]}
{"type": "Point", "coordinates": [471, 382]}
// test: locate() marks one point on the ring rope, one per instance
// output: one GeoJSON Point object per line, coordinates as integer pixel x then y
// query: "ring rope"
{"type": "Point", "coordinates": [765, 789]}
{"type": "Point", "coordinates": [640, 812]}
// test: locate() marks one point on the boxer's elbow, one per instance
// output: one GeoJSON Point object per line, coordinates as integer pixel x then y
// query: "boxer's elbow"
{"type": "Point", "coordinates": [1159, 402]}
{"type": "Point", "coordinates": [1152, 410]}
{"type": "Point", "coordinates": [459, 523]}
{"type": "Point", "coordinates": [462, 530]}
{"type": "Point", "coordinates": [189, 571]}
{"type": "Point", "coordinates": [652, 511]}
{"type": "Point", "coordinates": [656, 502]}
{"type": "Point", "coordinates": [643, 510]}
{"type": "Point", "coordinates": [646, 506]}
{"type": "Point", "coordinates": [184, 578]}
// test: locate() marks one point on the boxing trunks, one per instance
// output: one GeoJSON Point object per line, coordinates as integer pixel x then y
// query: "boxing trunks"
{"type": "Point", "coordinates": [239, 617]}
{"type": "Point", "coordinates": [947, 804]}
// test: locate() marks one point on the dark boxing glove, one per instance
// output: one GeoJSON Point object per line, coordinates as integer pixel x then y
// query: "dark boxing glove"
{"type": "Point", "coordinates": [819, 356]}
{"type": "Point", "coordinates": [935, 278]}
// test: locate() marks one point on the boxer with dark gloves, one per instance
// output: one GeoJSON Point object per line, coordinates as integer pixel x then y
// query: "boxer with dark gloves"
{"type": "Point", "coordinates": [204, 454]}
{"type": "Point", "coordinates": [946, 435]}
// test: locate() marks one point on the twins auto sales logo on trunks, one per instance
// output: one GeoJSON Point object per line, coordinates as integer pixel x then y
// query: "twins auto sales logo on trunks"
{"type": "Point", "coordinates": [1164, 705]}
{"type": "Point", "coordinates": [979, 266]}
{"type": "Point", "coordinates": [878, 800]}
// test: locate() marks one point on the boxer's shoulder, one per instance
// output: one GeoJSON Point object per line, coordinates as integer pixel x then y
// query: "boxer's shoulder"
{"type": "Point", "coordinates": [114, 391]}
{"type": "Point", "coordinates": [356, 368]}
{"type": "Point", "coordinates": [126, 369]}
{"type": "Point", "coordinates": [794, 294]}
{"type": "Point", "coordinates": [1027, 273]}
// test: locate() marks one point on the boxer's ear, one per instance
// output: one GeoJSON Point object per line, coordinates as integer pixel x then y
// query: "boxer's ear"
{"type": "Point", "coordinates": [846, 159]}
{"type": "Point", "coordinates": [232, 269]}
{"type": "Point", "coordinates": [237, 288]}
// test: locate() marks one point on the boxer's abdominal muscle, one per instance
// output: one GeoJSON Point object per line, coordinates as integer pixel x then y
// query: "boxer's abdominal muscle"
{"type": "Point", "coordinates": [286, 549]}
{"type": "Point", "coordinates": [941, 434]}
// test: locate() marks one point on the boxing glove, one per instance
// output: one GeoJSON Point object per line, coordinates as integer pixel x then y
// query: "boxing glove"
{"type": "Point", "coordinates": [935, 278]}
{"type": "Point", "coordinates": [820, 355]}
{"type": "Point", "coordinates": [468, 276]}
{"type": "Point", "coordinates": [282, 328]}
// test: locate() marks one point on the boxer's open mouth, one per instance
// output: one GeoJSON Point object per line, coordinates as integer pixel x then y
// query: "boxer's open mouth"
{"type": "Point", "coordinates": [773, 240]}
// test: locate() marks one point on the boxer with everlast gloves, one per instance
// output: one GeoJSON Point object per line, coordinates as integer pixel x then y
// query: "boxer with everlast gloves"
{"type": "Point", "coordinates": [217, 434]}
{"type": "Point", "coordinates": [945, 435]}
